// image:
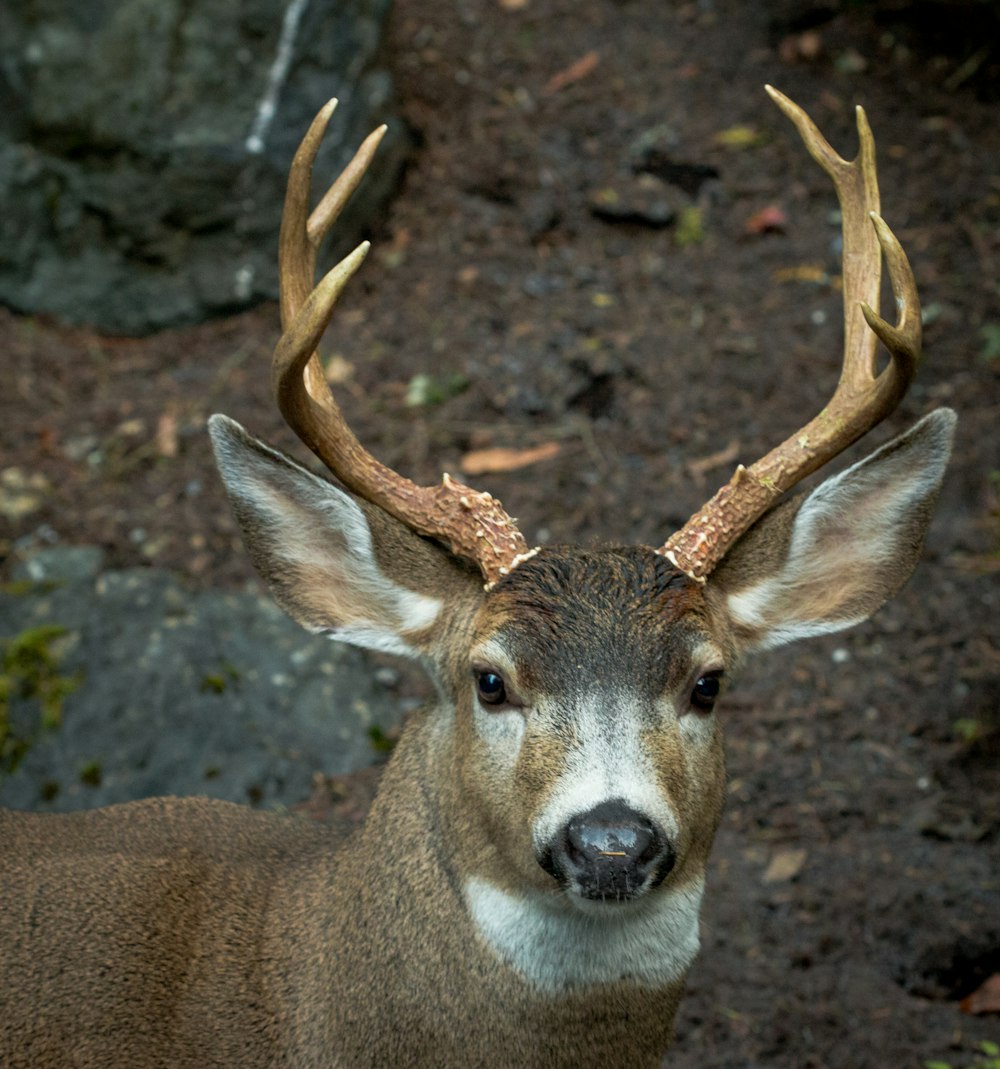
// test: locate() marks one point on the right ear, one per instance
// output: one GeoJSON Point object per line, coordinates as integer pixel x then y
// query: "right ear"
{"type": "Point", "coordinates": [827, 560]}
{"type": "Point", "coordinates": [333, 564]}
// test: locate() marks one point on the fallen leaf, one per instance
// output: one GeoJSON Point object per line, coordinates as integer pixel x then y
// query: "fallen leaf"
{"type": "Point", "coordinates": [769, 220]}
{"type": "Point", "coordinates": [802, 273]}
{"type": "Point", "coordinates": [785, 864]}
{"type": "Point", "coordinates": [499, 459]}
{"type": "Point", "coordinates": [575, 72]}
{"type": "Point", "coordinates": [801, 47]}
{"type": "Point", "coordinates": [166, 434]}
{"type": "Point", "coordinates": [131, 428]}
{"type": "Point", "coordinates": [739, 137]}
{"type": "Point", "coordinates": [48, 439]}
{"type": "Point", "coordinates": [985, 999]}
{"type": "Point", "coordinates": [690, 228]}
{"type": "Point", "coordinates": [22, 493]}
{"type": "Point", "coordinates": [338, 370]}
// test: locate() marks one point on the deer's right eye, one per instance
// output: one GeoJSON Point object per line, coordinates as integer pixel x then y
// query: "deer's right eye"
{"type": "Point", "coordinates": [706, 690]}
{"type": "Point", "coordinates": [491, 689]}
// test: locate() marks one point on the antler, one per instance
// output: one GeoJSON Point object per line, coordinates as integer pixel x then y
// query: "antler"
{"type": "Point", "coordinates": [472, 524]}
{"type": "Point", "coordinates": [862, 398]}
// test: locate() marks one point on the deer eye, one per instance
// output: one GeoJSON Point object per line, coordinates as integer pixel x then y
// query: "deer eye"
{"type": "Point", "coordinates": [490, 687]}
{"type": "Point", "coordinates": [706, 690]}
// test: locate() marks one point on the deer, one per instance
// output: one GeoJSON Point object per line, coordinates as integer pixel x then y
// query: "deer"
{"type": "Point", "coordinates": [526, 889]}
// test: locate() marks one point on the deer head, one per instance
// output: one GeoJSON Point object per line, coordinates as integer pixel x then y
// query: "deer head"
{"type": "Point", "coordinates": [574, 746]}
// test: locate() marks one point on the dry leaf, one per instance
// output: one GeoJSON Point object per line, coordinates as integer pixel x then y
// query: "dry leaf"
{"type": "Point", "coordinates": [739, 137]}
{"type": "Point", "coordinates": [490, 461]}
{"type": "Point", "coordinates": [769, 220]}
{"type": "Point", "coordinates": [131, 428]}
{"type": "Point", "coordinates": [166, 434]}
{"type": "Point", "coordinates": [575, 72]}
{"type": "Point", "coordinates": [802, 273]}
{"type": "Point", "coordinates": [338, 370]}
{"type": "Point", "coordinates": [785, 865]}
{"type": "Point", "coordinates": [801, 47]}
{"type": "Point", "coordinates": [985, 999]}
{"type": "Point", "coordinates": [22, 493]}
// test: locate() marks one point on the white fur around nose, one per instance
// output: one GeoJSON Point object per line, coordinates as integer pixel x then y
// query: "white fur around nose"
{"type": "Point", "coordinates": [607, 760]}
{"type": "Point", "coordinates": [556, 946]}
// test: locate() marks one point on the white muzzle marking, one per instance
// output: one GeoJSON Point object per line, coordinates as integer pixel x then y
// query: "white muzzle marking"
{"type": "Point", "coordinates": [556, 947]}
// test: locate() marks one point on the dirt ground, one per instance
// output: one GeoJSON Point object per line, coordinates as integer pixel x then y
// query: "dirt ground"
{"type": "Point", "coordinates": [525, 291]}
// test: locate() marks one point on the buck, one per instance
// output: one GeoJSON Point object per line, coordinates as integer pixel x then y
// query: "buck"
{"type": "Point", "coordinates": [526, 889]}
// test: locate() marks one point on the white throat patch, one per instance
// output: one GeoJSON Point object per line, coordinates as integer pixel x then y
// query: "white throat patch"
{"type": "Point", "coordinates": [556, 947]}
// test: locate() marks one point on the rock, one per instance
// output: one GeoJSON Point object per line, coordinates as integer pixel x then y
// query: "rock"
{"type": "Point", "coordinates": [642, 200]}
{"type": "Point", "coordinates": [655, 152]}
{"type": "Point", "coordinates": [144, 146]}
{"type": "Point", "coordinates": [174, 691]}
{"type": "Point", "coordinates": [63, 564]}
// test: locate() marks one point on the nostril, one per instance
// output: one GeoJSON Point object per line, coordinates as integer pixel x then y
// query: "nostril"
{"type": "Point", "coordinates": [548, 862]}
{"type": "Point", "coordinates": [654, 847]}
{"type": "Point", "coordinates": [660, 863]}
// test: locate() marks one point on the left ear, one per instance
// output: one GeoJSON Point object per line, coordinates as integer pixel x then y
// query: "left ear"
{"type": "Point", "coordinates": [828, 560]}
{"type": "Point", "coordinates": [337, 565]}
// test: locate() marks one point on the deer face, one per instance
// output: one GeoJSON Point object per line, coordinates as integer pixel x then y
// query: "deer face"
{"type": "Point", "coordinates": [591, 751]}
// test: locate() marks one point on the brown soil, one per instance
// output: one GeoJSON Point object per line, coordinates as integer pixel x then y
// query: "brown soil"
{"type": "Point", "coordinates": [854, 898]}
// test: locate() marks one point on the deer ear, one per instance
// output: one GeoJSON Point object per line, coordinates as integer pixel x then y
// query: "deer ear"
{"type": "Point", "coordinates": [332, 565]}
{"type": "Point", "coordinates": [827, 560]}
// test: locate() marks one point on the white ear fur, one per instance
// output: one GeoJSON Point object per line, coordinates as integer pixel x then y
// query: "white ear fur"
{"type": "Point", "coordinates": [313, 544]}
{"type": "Point", "coordinates": [854, 542]}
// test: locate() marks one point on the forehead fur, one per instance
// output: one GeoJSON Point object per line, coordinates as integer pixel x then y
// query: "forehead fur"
{"type": "Point", "coordinates": [612, 610]}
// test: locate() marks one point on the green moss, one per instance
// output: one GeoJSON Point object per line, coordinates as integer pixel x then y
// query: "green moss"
{"type": "Point", "coordinates": [988, 1058]}
{"type": "Point", "coordinates": [30, 671]}
{"type": "Point", "coordinates": [217, 682]}
{"type": "Point", "coordinates": [380, 742]}
{"type": "Point", "coordinates": [90, 774]}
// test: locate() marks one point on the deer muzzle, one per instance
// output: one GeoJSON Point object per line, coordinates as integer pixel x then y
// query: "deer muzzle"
{"type": "Point", "coordinates": [610, 853]}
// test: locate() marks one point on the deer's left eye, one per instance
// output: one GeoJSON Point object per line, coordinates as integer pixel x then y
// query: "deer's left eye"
{"type": "Point", "coordinates": [706, 690]}
{"type": "Point", "coordinates": [490, 687]}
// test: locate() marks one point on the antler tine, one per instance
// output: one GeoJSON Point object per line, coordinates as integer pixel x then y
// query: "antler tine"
{"type": "Point", "coordinates": [862, 398]}
{"type": "Point", "coordinates": [472, 524]}
{"type": "Point", "coordinates": [302, 233]}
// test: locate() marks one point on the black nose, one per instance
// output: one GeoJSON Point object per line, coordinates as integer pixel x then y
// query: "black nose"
{"type": "Point", "coordinates": [610, 852]}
